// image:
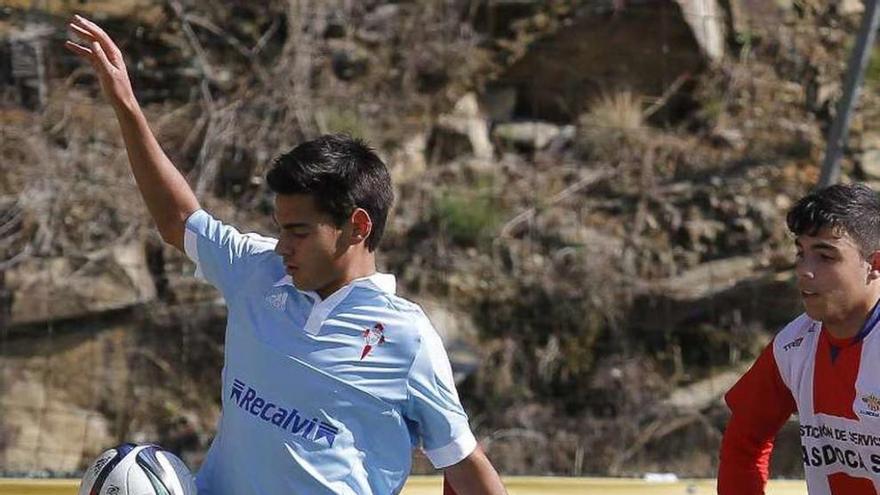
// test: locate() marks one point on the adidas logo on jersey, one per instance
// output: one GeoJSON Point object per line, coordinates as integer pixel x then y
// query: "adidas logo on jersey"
{"type": "Point", "coordinates": [277, 301]}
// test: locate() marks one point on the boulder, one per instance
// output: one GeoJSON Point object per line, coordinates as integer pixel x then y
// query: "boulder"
{"type": "Point", "coordinates": [534, 135]}
{"type": "Point", "coordinates": [705, 393]}
{"type": "Point", "coordinates": [745, 14]}
{"type": "Point", "coordinates": [849, 7]}
{"type": "Point", "coordinates": [463, 131]}
{"type": "Point", "coordinates": [52, 437]}
{"type": "Point", "coordinates": [63, 288]}
{"type": "Point", "coordinates": [709, 278]}
{"type": "Point", "coordinates": [408, 162]}
{"type": "Point", "coordinates": [562, 72]}
{"type": "Point", "coordinates": [739, 287]}
{"type": "Point", "coordinates": [706, 19]}
{"type": "Point", "coordinates": [570, 231]}
{"type": "Point", "coordinates": [55, 397]}
{"type": "Point", "coordinates": [498, 102]}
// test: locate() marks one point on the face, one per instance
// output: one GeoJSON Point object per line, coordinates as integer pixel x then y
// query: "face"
{"type": "Point", "coordinates": [315, 250]}
{"type": "Point", "coordinates": [837, 284]}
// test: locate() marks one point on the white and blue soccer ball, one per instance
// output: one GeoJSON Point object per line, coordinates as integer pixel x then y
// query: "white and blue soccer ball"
{"type": "Point", "coordinates": [131, 469]}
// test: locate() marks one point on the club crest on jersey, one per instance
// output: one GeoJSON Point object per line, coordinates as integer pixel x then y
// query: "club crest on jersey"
{"type": "Point", "coordinates": [873, 403]}
{"type": "Point", "coordinates": [373, 337]}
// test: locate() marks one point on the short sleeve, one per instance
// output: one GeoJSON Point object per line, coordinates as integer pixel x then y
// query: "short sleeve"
{"type": "Point", "coordinates": [439, 420]}
{"type": "Point", "coordinates": [761, 396]}
{"type": "Point", "coordinates": [221, 253]}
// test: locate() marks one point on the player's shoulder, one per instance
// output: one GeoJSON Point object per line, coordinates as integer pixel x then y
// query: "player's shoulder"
{"type": "Point", "coordinates": [204, 223]}
{"type": "Point", "coordinates": [425, 337]}
{"type": "Point", "coordinates": [796, 336]}
{"type": "Point", "coordinates": [267, 271]}
{"type": "Point", "coordinates": [265, 266]}
{"type": "Point", "coordinates": [406, 307]}
{"type": "Point", "coordinates": [263, 241]}
{"type": "Point", "coordinates": [399, 309]}
{"type": "Point", "coordinates": [412, 313]}
{"type": "Point", "coordinates": [400, 319]}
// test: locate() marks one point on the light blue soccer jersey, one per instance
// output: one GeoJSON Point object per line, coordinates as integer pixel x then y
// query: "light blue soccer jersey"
{"type": "Point", "coordinates": [320, 396]}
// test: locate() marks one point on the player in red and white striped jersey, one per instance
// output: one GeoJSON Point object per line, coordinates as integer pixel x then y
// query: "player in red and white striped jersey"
{"type": "Point", "coordinates": [824, 365]}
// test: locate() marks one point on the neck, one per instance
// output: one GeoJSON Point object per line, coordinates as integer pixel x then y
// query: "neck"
{"type": "Point", "coordinates": [362, 267]}
{"type": "Point", "coordinates": [850, 326]}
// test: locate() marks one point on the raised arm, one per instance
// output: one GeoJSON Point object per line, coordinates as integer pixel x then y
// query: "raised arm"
{"type": "Point", "coordinates": [166, 193]}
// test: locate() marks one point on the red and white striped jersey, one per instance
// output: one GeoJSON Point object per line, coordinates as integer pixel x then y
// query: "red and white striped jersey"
{"type": "Point", "coordinates": [834, 386]}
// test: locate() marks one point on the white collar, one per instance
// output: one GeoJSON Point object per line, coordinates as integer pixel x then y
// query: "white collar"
{"type": "Point", "coordinates": [382, 282]}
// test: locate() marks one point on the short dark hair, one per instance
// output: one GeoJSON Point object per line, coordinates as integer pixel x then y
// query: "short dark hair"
{"type": "Point", "coordinates": [853, 209]}
{"type": "Point", "coordinates": [342, 173]}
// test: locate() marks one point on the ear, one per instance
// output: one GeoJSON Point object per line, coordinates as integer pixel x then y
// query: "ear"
{"type": "Point", "coordinates": [362, 225]}
{"type": "Point", "coordinates": [874, 261]}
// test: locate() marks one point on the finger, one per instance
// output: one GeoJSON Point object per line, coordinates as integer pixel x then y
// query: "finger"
{"type": "Point", "coordinates": [93, 30]}
{"type": "Point", "coordinates": [107, 44]}
{"type": "Point", "coordinates": [81, 33]}
{"type": "Point", "coordinates": [86, 54]}
{"type": "Point", "coordinates": [78, 49]}
{"type": "Point", "coordinates": [101, 56]}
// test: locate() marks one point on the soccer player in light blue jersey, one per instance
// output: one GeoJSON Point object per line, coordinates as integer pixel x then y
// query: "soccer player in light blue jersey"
{"type": "Point", "coordinates": [330, 379]}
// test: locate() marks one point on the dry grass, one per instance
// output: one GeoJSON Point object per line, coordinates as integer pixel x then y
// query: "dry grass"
{"type": "Point", "coordinates": [614, 119]}
{"type": "Point", "coordinates": [621, 110]}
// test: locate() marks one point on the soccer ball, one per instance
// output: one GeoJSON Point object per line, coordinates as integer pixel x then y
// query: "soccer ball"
{"type": "Point", "coordinates": [131, 469]}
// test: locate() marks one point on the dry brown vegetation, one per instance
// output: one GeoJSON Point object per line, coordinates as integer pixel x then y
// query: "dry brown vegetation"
{"type": "Point", "coordinates": [603, 271]}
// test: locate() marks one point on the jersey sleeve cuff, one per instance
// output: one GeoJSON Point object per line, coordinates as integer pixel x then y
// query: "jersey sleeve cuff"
{"type": "Point", "coordinates": [453, 452]}
{"type": "Point", "coordinates": [196, 224]}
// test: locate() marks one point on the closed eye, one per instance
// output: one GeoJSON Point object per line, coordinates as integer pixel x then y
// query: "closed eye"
{"type": "Point", "coordinates": [296, 232]}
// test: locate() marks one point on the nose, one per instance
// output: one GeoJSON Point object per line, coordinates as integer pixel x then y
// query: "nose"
{"type": "Point", "coordinates": [803, 271]}
{"type": "Point", "coordinates": [282, 248]}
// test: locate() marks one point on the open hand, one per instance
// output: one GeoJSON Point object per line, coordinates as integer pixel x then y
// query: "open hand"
{"type": "Point", "coordinates": [105, 57]}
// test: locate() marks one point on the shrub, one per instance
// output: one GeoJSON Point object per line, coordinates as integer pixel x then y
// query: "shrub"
{"type": "Point", "coordinates": [469, 217]}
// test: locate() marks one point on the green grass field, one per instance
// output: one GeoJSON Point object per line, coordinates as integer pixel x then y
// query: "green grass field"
{"type": "Point", "coordinates": [431, 485]}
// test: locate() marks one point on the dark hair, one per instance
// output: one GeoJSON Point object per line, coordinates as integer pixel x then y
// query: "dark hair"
{"type": "Point", "coordinates": [342, 173]}
{"type": "Point", "coordinates": [853, 209]}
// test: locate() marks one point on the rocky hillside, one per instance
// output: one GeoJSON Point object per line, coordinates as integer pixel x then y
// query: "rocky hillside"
{"type": "Point", "coordinates": [590, 206]}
